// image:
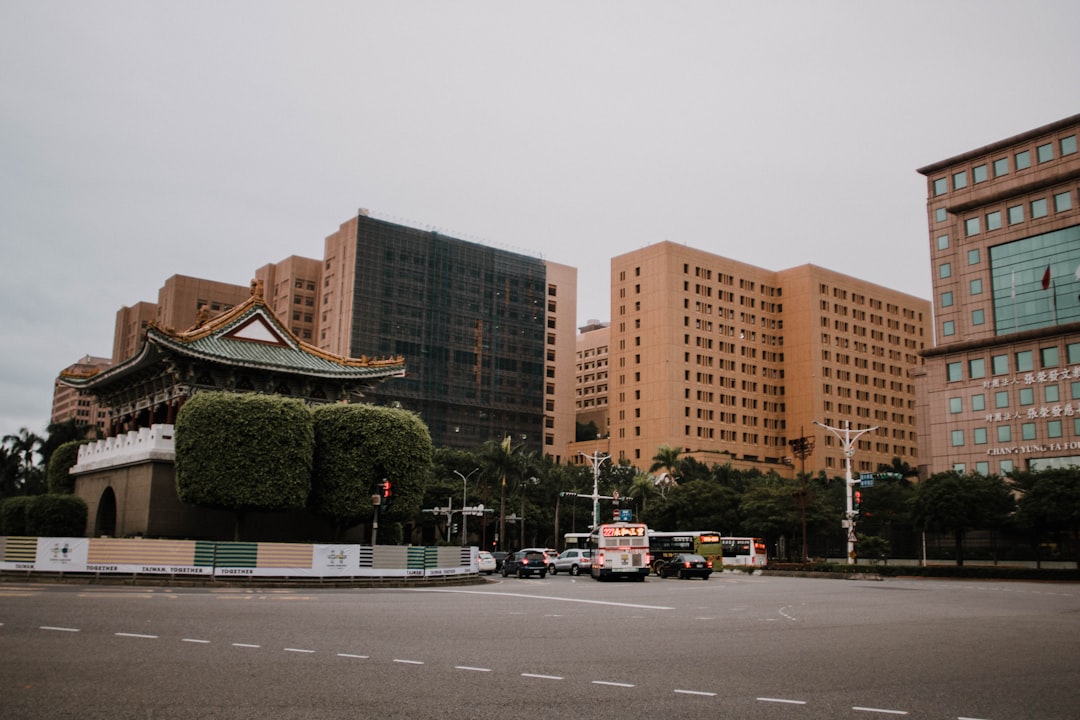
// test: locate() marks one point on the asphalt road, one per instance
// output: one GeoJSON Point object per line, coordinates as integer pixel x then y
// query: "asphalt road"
{"type": "Point", "coordinates": [735, 646]}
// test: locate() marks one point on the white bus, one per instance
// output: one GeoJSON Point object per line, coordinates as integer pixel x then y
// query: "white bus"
{"type": "Point", "coordinates": [620, 550]}
{"type": "Point", "coordinates": [744, 551]}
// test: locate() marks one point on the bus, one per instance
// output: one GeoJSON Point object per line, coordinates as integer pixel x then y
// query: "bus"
{"type": "Point", "coordinates": [744, 551]}
{"type": "Point", "coordinates": [664, 545]}
{"type": "Point", "coordinates": [620, 550]}
{"type": "Point", "coordinates": [576, 540]}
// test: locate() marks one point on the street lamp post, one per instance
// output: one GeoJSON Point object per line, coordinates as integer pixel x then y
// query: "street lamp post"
{"type": "Point", "coordinates": [848, 442]}
{"type": "Point", "coordinates": [597, 460]}
{"type": "Point", "coordinates": [464, 491]}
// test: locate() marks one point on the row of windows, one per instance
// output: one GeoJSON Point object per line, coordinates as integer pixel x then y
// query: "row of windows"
{"type": "Point", "coordinates": [1055, 430]}
{"type": "Point", "coordinates": [1023, 362]}
{"type": "Point", "coordinates": [1038, 208]}
{"type": "Point", "coordinates": [1049, 394]}
{"type": "Point", "coordinates": [1022, 160]}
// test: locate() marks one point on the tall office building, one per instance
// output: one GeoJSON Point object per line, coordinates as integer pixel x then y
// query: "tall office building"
{"type": "Point", "coordinates": [484, 332]}
{"type": "Point", "coordinates": [72, 404]}
{"type": "Point", "coordinates": [728, 362]}
{"type": "Point", "coordinates": [1000, 390]}
{"type": "Point", "coordinates": [591, 380]}
{"type": "Point", "coordinates": [292, 289]}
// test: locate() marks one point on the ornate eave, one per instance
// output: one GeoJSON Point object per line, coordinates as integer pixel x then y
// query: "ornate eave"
{"type": "Point", "coordinates": [244, 349]}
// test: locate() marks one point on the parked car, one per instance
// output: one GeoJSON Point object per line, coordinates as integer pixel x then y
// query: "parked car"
{"type": "Point", "coordinates": [486, 562]}
{"type": "Point", "coordinates": [573, 560]}
{"type": "Point", "coordinates": [686, 566]}
{"type": "Point", "coordinates": [525, 563]}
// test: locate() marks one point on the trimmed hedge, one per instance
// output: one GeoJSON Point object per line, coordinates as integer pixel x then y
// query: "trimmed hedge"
{"type": "Point", "coordinates": [44, 516]}
{"type": "Point", "coordinates": [63, 459]}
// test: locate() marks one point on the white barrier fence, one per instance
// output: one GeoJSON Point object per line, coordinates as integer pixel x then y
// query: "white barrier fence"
{"type": "Point", "coordinates": [232, 559]}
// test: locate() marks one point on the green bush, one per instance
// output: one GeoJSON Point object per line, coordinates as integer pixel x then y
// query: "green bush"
{"type": "Point", "coordinates": [13, 512]}
{"type": "Point", "coordinates": [63, 459]}
{"type": "Point", "coordinates": [56, 516]}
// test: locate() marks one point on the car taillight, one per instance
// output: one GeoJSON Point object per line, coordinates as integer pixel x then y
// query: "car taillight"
{"type": "Point", "coordinates": [525, 561]}
{"type": "Point", "coordinates": [686, 564]}
{"type": "Point", "coordinates": [600, 559]}
{"type": "Point", "coordinates": [708, 563]}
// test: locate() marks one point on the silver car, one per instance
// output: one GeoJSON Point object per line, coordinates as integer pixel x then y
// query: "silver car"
{"type": "Point", "coordinates": [574, 561]}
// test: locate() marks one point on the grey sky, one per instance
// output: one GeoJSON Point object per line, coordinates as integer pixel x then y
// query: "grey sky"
{"type": "Point", "coordinates": [144, 139]}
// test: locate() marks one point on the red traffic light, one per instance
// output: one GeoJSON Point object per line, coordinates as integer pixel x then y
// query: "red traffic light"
{"type": "Point", "coordinates": [387, 489]}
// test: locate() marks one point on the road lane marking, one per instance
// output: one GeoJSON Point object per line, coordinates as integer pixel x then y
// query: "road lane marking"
{"type": "Point", "coordinates": [193, 640]}
{"type": "Point", "coordinates": [879, 710]}
{"type": "Point", "coordinates": [246, 645]}
{"type": "Point", "coordinates": [409, 662]}
{"type": "Point", "coordinates": [350, 655]}
{"type": "Point", "coordinates": [781, 700]}
{"type": "Point", "coordinates": [136, 635]}
{"type": "Point", "coordinates": [298, 650]}
{"type": "Point", "coordinates": [541, 677]}
{"type": "Point", "coordinates": [695, 692]}
{"type": "Point", "coordinates": [469, 667]}
{"type": "Point", "coordinates": [58, 629]}
{"type": "Point", "coordinates": [547, 597]}
{"type": "Point", "coordinates": [613, 684]}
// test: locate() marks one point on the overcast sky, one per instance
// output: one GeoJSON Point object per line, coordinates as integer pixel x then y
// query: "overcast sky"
{"type": "Point", "coordinates": [139, 140]}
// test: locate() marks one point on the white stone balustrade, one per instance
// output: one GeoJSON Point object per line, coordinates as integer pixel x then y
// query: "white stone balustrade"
{"type": "Point", "coordinates": [152, 443]}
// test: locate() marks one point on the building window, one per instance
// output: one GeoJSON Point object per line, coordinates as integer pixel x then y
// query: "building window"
{"type": "Point", "coordinates": [946, 299]}
{"type": "Point", "coordinates": [959, 180]}
{"type": "Point", "coordinates": [1023, 160]}
{"type": "Point", "coordinates": [1025, 361]}
{"type": "Point", "coordinates": [1049, 357]}
{"type": "Point", "coordinates": [1051, 393]}
{"type": "Point", "coordinates": [978, 173]}
{"type": "Point", "coordinates": [1016, 214]}
{"type": "Point", "coordinates": [945, 270]}
{"type": "Point", "coordinates": [1068, 145]}
{"type": "Point", "coordinates": [1027, 431]}
{"type": "Point", "coordinates": [941, 186]}
{"type": "Point", "coordinates": [1001, 399]}
{"type": "Point", "coordinates": [1006, 467]}
{"type": "Point", "coordinates": [943, 242]}
{"type": "Point", "coordinates": [976, 286]}
{"type": "Point", "coordinates": [1073, 352]}
{"type": "Point", "coordinates": [941, 215]}
{"type": "Point", "coordinates": [973, 256]}
{"type": "Point", "coordinates": [971, 226]}
{"type": "Point", "coordinates": [978, 317]}
{"type": "Point", "coordinates": [948, 328]}
{"type": "Point", "coordinates": [979, 436]}
{"type": "Point", "coordinates": [1063, 202]}
{"type": "Point", "coordinates": [1001, 167]}
{"type": "Point", "coordinates": [1027, 396]}
{"type": "Point", "coordinates": [1045, 153]}
{"type": "Point", "coordinates": [954, 372]}
{"type": "Point", "coordinates": [1038, 208]}
{"type": "Point", "coordinates": [957, 438]}
{"type": "Point", "coordinates": [976, 368]}
{"type": "Point", "coordinates": [956, 405]}
{"type": "Point", "coordinates": [978, 402]}
{"type": "Point", "coordinates": [993, 220]}
{"type": "Point", "coordinates": [1004, 433]}
{"type": "Point", "coordinates": [999, 364]}
{"type": "Point", "coordinates": [1053, 429]}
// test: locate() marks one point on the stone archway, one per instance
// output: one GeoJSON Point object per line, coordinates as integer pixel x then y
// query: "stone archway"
{"type": "Point", "coordinates": [105, 522]}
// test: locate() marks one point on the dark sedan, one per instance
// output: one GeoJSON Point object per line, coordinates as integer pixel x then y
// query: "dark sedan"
{"type": "Point", "coordinates": [686, 566]}
{"type": "Point", "coordinates": [525, 563]}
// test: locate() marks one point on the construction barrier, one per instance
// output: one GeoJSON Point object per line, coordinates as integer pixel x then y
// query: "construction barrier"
{"type": "Point", "coordinates": [140, 556]}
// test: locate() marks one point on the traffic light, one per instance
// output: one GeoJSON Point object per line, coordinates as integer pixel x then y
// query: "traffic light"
{"type": "Point", "coordinates": [856, 501]}
{"type": "Point", "coordinates": [387, 493]}
{"type": "Point", "coordinates": [453, 529]}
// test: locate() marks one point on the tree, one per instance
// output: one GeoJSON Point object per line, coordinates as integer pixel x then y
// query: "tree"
{"type": "Point", "coordinates": [356, 448]}
{"type": "Point", "coordinates": [1050, 503]}
{"type": "Point", "coordinates": [502, 461]}
{"type": "Point", "coordinates": [244, 452]}
{"type": "Point", "coordinates": [64, 432]}
{"type": "Point", "coordinates": [957, 503]}
{"type": "Point", "coordinates": [667, 459]}
{"type": "Point", "coordinates": [63, 458]}
{"type": "Point", "coordinates": [28, 476]}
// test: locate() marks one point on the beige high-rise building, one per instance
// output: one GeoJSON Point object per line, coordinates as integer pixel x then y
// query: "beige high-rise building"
{"type": "Point", "coordinates": [292, 289]}
{"type": "Point", "coordinates": [592, 350]}
{"type": "Point", "coordinates": [728, 362]}
{"type": "Point", "coordinates": [72, 404]}
{"type": "Point", "coordinates": [1000, 390]}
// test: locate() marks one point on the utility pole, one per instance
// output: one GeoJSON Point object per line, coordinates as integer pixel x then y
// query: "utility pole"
{"type": "Point", "coordinates": [464, 492]}
{"type": "Point", "coordinates": [848, 443]}
{"type": "Point", "coordinates": [802, 447]}
{"type": "Point", "coordinates": [597, 460]}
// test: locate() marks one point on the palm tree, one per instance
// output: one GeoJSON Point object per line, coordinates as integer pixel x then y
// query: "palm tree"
{"type": "Point", "coordinates": [642, 487]}
{"type": "Point", "coordinates": [23, 447]}
{"type": "Point", "coordinates": [666, 458]}
{"type": "Point", "coordinates": [501, 462]}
